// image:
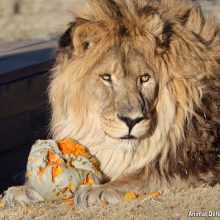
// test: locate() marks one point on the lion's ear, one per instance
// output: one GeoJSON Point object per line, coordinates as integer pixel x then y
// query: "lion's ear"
{"type": "Point", "coordinates": [65, 44]}
{"type": "Point", "coordinates": [85, 36]}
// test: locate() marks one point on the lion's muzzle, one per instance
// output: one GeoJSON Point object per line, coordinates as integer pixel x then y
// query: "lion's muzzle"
{"type": "Point", "coordinates": [130, 123]}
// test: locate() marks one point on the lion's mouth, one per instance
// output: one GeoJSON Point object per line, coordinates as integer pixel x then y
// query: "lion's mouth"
{"type": "Point", "coordinates": [128, 137]}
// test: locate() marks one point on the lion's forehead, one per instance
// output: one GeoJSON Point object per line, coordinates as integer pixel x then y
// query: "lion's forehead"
{"type": "Point", "coordinates": [123, 61]}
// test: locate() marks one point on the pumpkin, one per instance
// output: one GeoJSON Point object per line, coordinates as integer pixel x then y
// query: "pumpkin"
{"type": "Point", "coordinates": [56, 169]}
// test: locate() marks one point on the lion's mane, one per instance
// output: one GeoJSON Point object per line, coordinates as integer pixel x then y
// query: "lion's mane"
{"type": "Point", "coordinates": [185, 46]}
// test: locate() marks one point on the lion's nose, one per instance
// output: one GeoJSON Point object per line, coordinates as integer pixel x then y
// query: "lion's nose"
{"type": "Point", "coordinates": [130, 122]}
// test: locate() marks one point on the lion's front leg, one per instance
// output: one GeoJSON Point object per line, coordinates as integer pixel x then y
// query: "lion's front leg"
{"type": "Point", "coordinates": [21, 195]}
{"type": "Point", "coordinates": [113, 192]}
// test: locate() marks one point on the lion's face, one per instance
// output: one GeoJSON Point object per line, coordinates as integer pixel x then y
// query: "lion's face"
{"type": "Point", "coordinates": [106, 89]}
{"type": "Point", "coordinates": [124, 88]}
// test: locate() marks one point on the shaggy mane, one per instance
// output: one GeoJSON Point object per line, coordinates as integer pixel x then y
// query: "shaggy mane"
{"type": "Point", "coordinates": [185, 47]}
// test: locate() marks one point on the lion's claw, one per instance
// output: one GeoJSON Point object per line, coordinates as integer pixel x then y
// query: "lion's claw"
{"type": "Point", "coordinates": [21, 195]}
{"type": "Point", "coordinates": [89, 196]}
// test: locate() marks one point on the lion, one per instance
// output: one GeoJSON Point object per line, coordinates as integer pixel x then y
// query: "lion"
{"type": "Point", "coordinates": [138, 83]}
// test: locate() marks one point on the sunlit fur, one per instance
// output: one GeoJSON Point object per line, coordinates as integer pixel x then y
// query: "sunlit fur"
{"type": "Point", "coordinates": [180, 46]}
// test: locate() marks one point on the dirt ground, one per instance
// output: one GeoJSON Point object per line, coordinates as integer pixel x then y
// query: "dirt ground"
{"type": "Point", "coordinates": [171, 205]}
{"type": "Point", "coordinates": [45, 19]}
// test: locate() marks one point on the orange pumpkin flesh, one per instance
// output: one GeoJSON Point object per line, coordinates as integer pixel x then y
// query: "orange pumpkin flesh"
{"type": "Point", "coordinates": [40, 173]}
{"type": "Point", "coordinates": [153, 195]}
{"type": "Point", "coordinates": [70, 147]}
{"type": "Point", "coordinates": [130, 196]}
{"type": "Point", "coordinates": [88, 180]}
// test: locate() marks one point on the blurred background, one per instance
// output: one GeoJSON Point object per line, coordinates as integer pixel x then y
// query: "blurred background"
{"type": "Point", "coordinates": [34, 19]}
{"type": "Point", "coordinates": [45, 19]}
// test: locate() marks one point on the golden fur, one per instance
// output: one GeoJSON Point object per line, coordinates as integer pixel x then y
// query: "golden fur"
{"type": "Point", "coordinates": [76, 115]}
{"type": "Point", "coordinates": [177, 139]}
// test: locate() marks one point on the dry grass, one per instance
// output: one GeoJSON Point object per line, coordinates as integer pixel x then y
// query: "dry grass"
{"type": "Point", "coordinates": [171, 205]}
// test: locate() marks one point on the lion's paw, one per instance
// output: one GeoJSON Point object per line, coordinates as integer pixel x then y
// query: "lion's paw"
{"type": "Point", "coordinates": [95, 195]}
{"type": "Point", "coordinates": [21, 195]}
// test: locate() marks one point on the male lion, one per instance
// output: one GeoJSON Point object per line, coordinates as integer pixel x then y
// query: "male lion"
{"type": "Point", "coordinates": [138, 83]}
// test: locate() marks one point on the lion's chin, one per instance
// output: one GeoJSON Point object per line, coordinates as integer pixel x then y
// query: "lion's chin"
{"type": "Point", "coordinates": [128, 145]}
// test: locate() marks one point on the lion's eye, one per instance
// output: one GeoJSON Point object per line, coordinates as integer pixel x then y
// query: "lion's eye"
{"type": "Point", "coordinates": [144, 78]}
{"type": "Point", "coordinates": [106, 77]}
